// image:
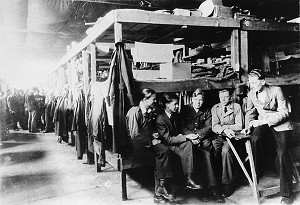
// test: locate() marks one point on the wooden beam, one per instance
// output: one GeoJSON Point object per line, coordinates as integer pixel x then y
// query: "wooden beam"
{"type": "Point", "coordinates": [187, 85]}
{"type": "Point", "coordinates": [100, 26]}
{"type": "Point", "coordinates": [85, 65]}
{"type": "Point", "coordinates": [235, 50]}
{"type": "Point", "coordinates": [248, 25]}
{"type": "Point", "coordinates": [148, 17]}
{"type": "Point", "coordinates": [93, 62]}
{"type": "Point", "coordinates": [244, 55]}
{"type": "Point", "coordinates": [118, 32]}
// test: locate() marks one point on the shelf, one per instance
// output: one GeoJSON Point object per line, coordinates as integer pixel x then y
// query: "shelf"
{"type": "Point", "coordinates": [248, 25]}
{"type": "Point", "coordinates": [185, 85]}
{"type": "Point", "coordinates": [289, 79]}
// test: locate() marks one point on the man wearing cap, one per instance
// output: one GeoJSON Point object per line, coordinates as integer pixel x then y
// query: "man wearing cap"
{"type": "Point", "coordinates": [227, 119]}
{"type": "Point", "coordinates": [267, 118]}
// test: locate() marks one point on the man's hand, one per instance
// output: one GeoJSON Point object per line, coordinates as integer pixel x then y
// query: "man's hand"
{"type": "Point", "coordinates": [229, 133]}
{"type": "Point", "coordinates": [192, 136]}
{"type": "Point", "coordinates": [155, 141]}
{"type": "Point", "coordinates": [256, 123]}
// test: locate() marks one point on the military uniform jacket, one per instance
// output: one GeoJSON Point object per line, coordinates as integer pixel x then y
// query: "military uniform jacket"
{"type": "Point", "coordinates": [231, 119]}
{"type": "Point", "coordinates": [193, 122]}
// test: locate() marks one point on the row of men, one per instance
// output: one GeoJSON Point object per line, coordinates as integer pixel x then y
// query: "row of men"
{"type": "Point", "coordinates": [27, 109]}
{"type": "Point", "coordinates": [205, 130]}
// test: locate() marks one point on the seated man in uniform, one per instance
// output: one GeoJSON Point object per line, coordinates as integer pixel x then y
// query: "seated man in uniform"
{"type": "Point", "coordinates": [196, 119]}
{"type": "Point", "coordinates": [146, 146]}
{"type": "Point", "coordinates": [168, 127]}
{"type": "Point", "coordinates": [268, 119]}
{"type": "Point", "coordinates": [227, 118]}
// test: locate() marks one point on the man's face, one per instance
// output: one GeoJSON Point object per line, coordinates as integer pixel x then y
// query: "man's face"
{"type": "Point", "coordinates": [197, 101]}
{"type": "Point", "coordinates": [151, 101]}
{"type": "Point", "coordinates": [173, 105]}
{"type": "Point", "coordinates": [255, 83]}
{"type": "Point", "coordinates": [224, 98]}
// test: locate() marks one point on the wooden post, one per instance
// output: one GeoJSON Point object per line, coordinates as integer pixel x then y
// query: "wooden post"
{"type": "Point", "coordinates": [93, 63]}
{"type": "Point", "coordinates": [85, 70]}
{"type": "Point", "coordinates": [118, 32]}
{"type": "Point", "coordinates": [61, 76]}
{"type": "Point", "coordinates": [235, 50]}
{"type": "Point", "coordinates": [244, 56]}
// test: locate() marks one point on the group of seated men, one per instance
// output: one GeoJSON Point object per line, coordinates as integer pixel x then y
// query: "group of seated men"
{"type": "Point", "coordinates": [199, 129]}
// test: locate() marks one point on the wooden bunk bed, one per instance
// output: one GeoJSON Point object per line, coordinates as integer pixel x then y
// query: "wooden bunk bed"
{"type": "Point", "coordinates": [129, 26]}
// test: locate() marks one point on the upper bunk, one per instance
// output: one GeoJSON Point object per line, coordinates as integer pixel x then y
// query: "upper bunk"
{"type": "Point", "coordinates": [131, 25]}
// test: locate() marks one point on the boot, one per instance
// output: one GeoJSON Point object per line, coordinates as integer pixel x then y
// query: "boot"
{"type": "Point", "coordinates": [160, 190]}
{"type": "Point", "coordinates": [190, 184]}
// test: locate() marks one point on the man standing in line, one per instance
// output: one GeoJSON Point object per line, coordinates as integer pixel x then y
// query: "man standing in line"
{"type": "Point", "coordinates": [227, 118]}
{"type": "Point", "coordinates": [168, 127]}
{"type": "Point", "coordinates": [267, 118]}
{"type": "Point", "coordinates": [195, 118]}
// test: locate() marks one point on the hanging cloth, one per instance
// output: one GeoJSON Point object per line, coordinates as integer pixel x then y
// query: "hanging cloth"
{"type": "Point", "coordinates": [120, 94]}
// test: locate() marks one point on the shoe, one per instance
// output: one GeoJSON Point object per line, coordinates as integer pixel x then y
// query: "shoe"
{"type": "Point", "coordinates": [159, 199]}
{"type": "Point", "coordinates": [160, 190]}
{"type": "Point", "coordinates": [190, 184]}
{"type": "Point", "coordinates": [216, 197]}
{"type": "Point", "coordinates": [227, 190]}
{"type": "Point", "coordinates": [286, 200]}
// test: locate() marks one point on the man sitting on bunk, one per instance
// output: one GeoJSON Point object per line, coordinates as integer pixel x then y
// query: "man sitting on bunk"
{"type": "Point", "coordinates": [227, 119]}
{"type": "Point", "coordinates": [147, 146]}
{"type": "Point", "coordinates": [168, 127]}
{"type": "Point", "coordinates": [195, 118]}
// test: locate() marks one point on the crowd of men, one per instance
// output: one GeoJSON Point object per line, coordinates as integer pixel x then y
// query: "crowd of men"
{"type": "Point", "coordinates": [26, 110]}
{"type": "Point", "coordinates": [198, 135]}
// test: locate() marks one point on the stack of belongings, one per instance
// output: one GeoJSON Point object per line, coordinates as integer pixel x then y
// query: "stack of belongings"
{"type": "Point", "coordinates": [218, 70]}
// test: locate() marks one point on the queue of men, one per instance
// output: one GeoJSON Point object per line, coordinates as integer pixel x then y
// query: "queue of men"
{"type": "Point", "coordinates": [26, 110]}
{"type": "Point", "coordinates": [199, 130]}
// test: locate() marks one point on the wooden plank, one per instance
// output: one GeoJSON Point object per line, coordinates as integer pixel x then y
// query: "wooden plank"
{"type": "Point", "coordinates": [85, 65]}
{"type": "Point", "coordinates": [99, 28]}
{"type": "Point", "coordinates": [290, 79]}
{"type": "Point", "coordinates": [118, 32]}
{"type": "Point", "coordinates": [139, 16]}
{"type": "Point", "coordinates": [113, 160]}
{"type": "Point", "coordinates": [186, 85]}
{"type": "Point", "coordinates": [235, 50]}
{"type": "Point", "coordinates": [248, 25]}
{"type": "Point", "coordinates": [93, 62]}
{"type": "Point", "coordinates": [244, 55]}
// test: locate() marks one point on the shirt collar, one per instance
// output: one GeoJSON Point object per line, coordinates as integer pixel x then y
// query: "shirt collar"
{"type": "Point", "coordinates": [168, 114]}
{"type": "Point", "coordinates": [143, 109]}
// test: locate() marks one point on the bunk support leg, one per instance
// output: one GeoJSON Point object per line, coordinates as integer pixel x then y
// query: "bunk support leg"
{"type": "Point", "coordinates": [124, 185]}
{"type": "Point", "coordinates": [98, 166]}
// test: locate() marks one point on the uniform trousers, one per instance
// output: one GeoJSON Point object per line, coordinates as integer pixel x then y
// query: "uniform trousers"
{"type": "Point", "coordinates": [262, 139]}
{"type": "Point", "coordinates": [159, 154]}
{"type": "Point", "coordinates": [185, 152]}
{"type": "Point", "coordinates": [225, 157]}
{"type": "Point", "coordinates": [204, 162]}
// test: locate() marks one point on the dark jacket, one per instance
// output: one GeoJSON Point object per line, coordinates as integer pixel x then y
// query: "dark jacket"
{"type": "Point", "coordinates": [169, 134]}
{"type": "Point", "coordinates": [196, 123]}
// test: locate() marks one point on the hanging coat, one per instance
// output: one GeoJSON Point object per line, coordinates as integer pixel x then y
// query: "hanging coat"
{"type": "Point", "coordinates": [120, 94]}
{"type": "Point", "coordinates": [79, 126]}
